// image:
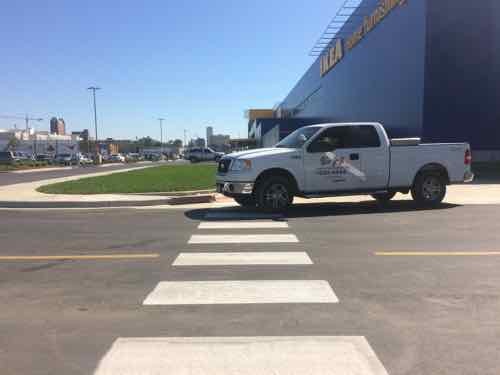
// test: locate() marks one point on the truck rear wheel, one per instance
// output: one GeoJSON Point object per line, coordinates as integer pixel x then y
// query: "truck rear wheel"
{"type": "Point", "coordinates": [246, 201]}
{"type": "Point", "coordinates": [384, 197]}
{"type": "Point", "coordinates": [429, 189]}
{"type": "Point", "coordinates": [274, 194]}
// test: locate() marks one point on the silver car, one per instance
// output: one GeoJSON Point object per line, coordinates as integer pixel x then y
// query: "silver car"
{"type": "Point", "coordinates": [196, 155]}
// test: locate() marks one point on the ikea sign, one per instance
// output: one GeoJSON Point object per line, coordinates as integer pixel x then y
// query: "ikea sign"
{"type": "Point", "coordinates": [336, 53]}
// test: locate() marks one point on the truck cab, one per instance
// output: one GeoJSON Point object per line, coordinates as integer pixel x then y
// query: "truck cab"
{"type": "Point", "coordinates": [343, 159]}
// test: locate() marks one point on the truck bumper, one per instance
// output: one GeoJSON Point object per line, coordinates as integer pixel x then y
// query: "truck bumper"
{"type": "Point", "coordinates": [468, 176]}
{"type": "Point", "coordinates": [232, 189]}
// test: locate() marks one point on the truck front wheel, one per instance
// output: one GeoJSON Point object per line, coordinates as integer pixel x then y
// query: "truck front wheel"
{"type": "Point", "coordinates": [274, 194]}
{"type": "Point", "coordinates": [429, 189]}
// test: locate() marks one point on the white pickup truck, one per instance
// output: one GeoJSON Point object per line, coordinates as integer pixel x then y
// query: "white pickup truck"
{"type": "Point", "coordinates": [343, 159]}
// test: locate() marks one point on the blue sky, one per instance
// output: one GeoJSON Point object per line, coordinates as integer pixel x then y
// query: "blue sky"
{"type": "Point", "coordinates": [196, 63]}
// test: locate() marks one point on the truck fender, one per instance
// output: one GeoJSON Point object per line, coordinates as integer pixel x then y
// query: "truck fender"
{"type": "Point", "coordinates": [278, 172]}
{"type": "Point", "coordinates": [434, 168]}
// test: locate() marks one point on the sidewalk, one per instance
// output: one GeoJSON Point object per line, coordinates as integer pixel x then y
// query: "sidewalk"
{"type": "Point", "coordinates": [24, 195]}
{"type": "Point", "coordinates": [485, 194]}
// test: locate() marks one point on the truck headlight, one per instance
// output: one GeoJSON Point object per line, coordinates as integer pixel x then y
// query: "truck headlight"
{"type": "Point", "coordinates": [239, 165]}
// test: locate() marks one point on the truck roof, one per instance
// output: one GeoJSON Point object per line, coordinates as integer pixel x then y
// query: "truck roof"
{"type": "Point", "coordinates": [332, 124]}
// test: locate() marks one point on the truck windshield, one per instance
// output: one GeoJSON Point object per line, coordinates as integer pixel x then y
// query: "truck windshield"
{"type": "Point", "coordinates": [298, 137]}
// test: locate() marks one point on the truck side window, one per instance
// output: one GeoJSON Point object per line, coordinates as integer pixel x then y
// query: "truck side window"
{"type": "Point", "coordinates": [363, 136]}
{"type": "Point", "coordinates": [330, 140]}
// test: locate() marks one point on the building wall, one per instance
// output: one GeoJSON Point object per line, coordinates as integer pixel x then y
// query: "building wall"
{"type": "Point", "coordinates": [380, 79]}
{"type": "Point", "coordinates": [462, 86]}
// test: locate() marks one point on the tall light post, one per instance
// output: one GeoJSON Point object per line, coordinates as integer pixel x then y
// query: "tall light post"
{"type": "Point", "coordinates": [94, 89]}
{"type": "Point", "coordinates": [161, 135]}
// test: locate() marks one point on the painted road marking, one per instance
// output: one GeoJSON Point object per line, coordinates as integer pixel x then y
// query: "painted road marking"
{"type": "Point", "coordinates": [241, 292]}
{"type": "Point", "coordinates": [438, 254]}
{"type": "Point", "coordinates": [243, 238]}
{"type": "Point", "coordinates": [237, 259]}
{"type": "Point", "coordinates": [243, 225]}
{"type": "Point", "coordinates": [242, 356]}
{"type": "Point", "coordinates": [238, 215]}
{"type": "Point", "coordinates": [80, 257]}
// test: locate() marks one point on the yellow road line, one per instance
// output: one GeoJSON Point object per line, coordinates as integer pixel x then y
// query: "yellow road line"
{"type": "Point", "coordinates": [81, 257]}
{"type": "Point", "coordinates": [439, 254]}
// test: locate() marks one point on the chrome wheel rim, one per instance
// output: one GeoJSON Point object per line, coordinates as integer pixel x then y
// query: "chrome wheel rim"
{"type": "Point", "coordinates": [276, 196]}
{"type": "Point", "coordinates": [432, 188]}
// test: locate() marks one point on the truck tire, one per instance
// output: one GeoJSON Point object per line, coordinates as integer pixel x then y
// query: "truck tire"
{"type": "Point", "coordinates": [193, 160]}
{"type": "Point", "coordinates": [384, 197]}
{"type": "Point", "coordinates": [246, 201]}
{"type": "Point", "coordinates": [429, 189]}
{"type": "Point", "coordinates": [274, 194]}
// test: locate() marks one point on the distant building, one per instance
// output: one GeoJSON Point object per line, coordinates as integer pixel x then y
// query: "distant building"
{"type": "Point", "coordinates": [210, 134]}
{"type": "Point", "coordinates": [84, 134]}
{"type": "Point", "coordinates": [57, 126]}
{"type": "Point", "coordinates": [41, 142]}
{"type": "Point", "coordinates": [220, 142]}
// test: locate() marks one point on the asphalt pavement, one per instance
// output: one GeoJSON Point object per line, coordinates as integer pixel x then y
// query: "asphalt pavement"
{"type": "Point", "coordinates": [353, 288]}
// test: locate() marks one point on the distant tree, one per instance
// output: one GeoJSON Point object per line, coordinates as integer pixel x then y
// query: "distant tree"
{"type": "Point", "coordinates": [199, 142]}
{"type": "Point", "coordinates": [12, 144]}
{"type": "Point", "coordinates": [148, 142]}
{"type": "Point", "coordinates": [175, 144]}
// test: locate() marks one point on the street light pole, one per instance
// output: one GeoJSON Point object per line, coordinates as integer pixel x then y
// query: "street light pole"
{"type": "Point", "coordinates": [94, 89]}
{"type": "Point", "coordinates": [161, 135]}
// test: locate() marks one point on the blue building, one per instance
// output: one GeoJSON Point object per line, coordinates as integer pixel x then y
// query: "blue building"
{"type": "Point", "coordinates": [426, 68]}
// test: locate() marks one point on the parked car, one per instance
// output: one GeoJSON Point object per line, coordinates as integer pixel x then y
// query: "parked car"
{"type": "Point", "coordinates": [133, 157]}
{"type": "Point", "coordinates": [195, 155]}
{"type": "Point", "coordinates": [343, 159]}
{"type": "Point", "coordinates": [44, 157]}
{"type": "Point", "coordinates": [23, 156]}
{"type": "Point", "coordinates": [64, 159]}
{"type": "Point", "coordinates": [117, 158]}
{"type": "Point", "coordinates": [7, 158]}
{"type": "Point", "coordinates": [80, 159]}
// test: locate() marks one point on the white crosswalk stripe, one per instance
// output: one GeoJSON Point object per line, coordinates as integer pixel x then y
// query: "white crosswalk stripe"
{"type": "Point", "coordinates": [241, 292]}
{"type": "Point", "coordinates": [240, 215]}
{"type": "Point", "coordinates": [242, 238]}
{"type": "Point", "coordinates": [250, 258]}
{"type": "Point", "coordinates": [243, 225]}
{"type": "Point", "coordinates": [241, 356]}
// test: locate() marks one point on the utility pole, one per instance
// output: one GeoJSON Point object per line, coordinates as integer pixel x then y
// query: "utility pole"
{"type": "Point", "coordinates": [94, 89]}
{"type": "Point", "coordinates": [161, 135]}
{"type": "Point", "coordinates": [184, 144]}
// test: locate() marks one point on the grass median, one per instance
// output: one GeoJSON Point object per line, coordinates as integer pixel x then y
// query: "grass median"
{"type": "Point", "coordinates": [171, 178]}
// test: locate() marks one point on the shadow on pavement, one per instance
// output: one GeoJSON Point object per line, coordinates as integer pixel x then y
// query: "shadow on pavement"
{"type": "Point", "coordinates": [304, 210]}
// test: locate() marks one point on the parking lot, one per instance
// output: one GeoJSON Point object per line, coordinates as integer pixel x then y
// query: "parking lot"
{"type": "Point", "coordinates": [390, 290]}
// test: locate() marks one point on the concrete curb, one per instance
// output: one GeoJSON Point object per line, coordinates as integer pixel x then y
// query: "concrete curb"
{"type": "Point", "coordinates": [178, 193]}
{"type": "Point", "coordinates": [83, 204]}
{"type": "Point", "coordinates": [192, 199]}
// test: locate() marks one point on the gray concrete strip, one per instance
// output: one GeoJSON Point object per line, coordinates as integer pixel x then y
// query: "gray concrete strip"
{"type": "Point", "coordinates": [242, 356]}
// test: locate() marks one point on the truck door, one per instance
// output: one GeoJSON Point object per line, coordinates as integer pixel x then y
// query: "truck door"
{"type": "Point", "coordinates": [374, 156]}
{"type": "Point", "coordinates": [331, 164]}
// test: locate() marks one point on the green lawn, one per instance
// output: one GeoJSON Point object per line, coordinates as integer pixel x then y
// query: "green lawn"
{"type": "Point", "coordinates": [158, 179]}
